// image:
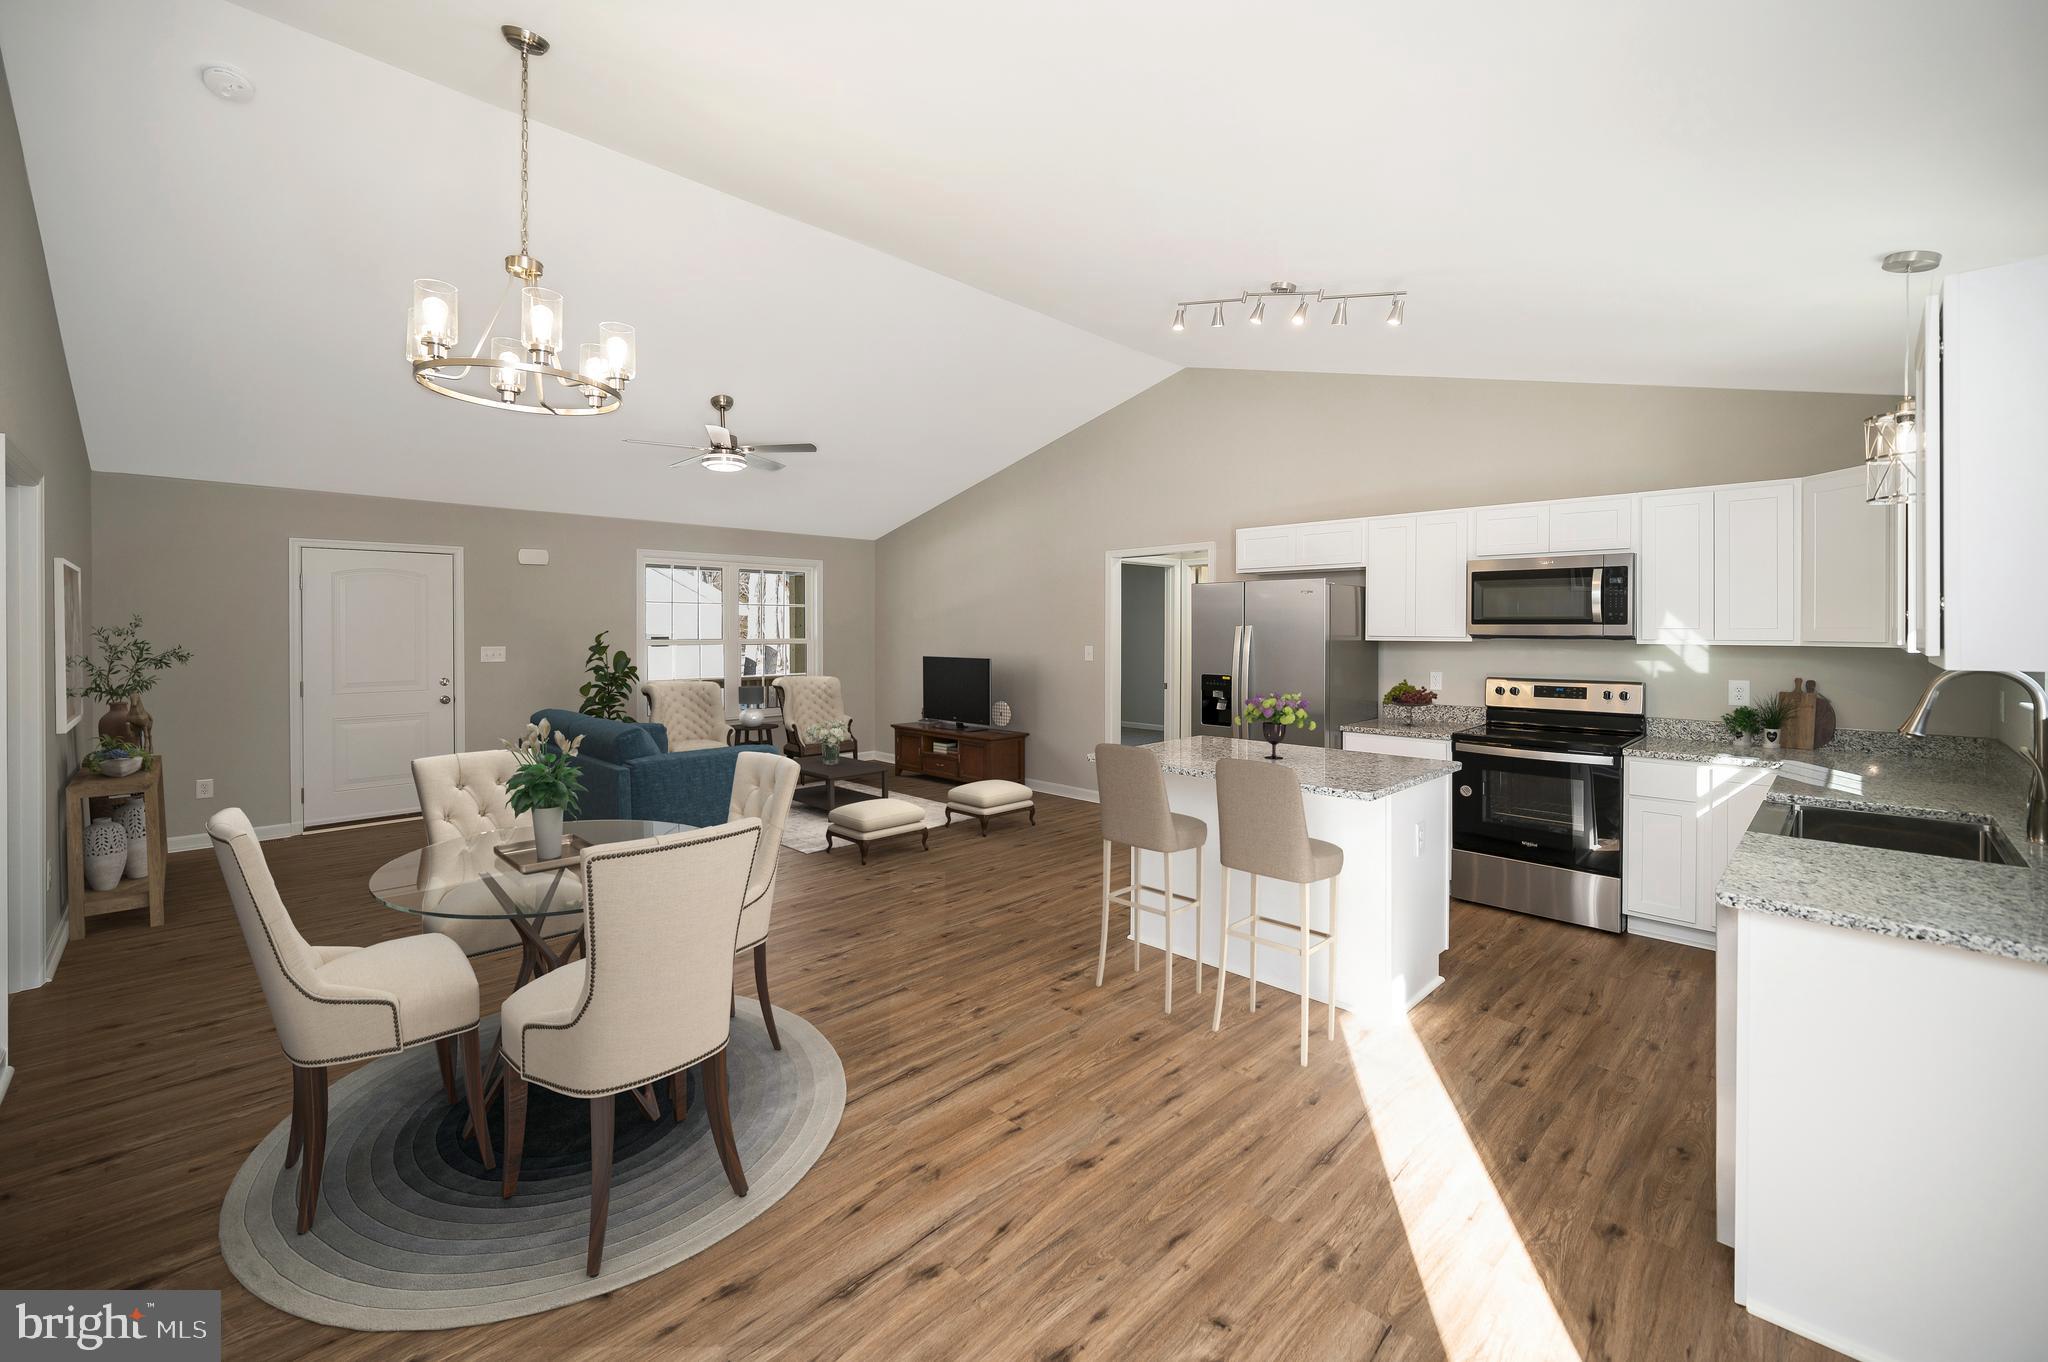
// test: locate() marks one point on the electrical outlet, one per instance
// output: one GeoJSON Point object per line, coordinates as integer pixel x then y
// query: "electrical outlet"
{"type": "Point", "coordinates": [1418, 839]}
{"type": "Point", "coordinates": [1738, 692]}
{"type": "Point", "coordinates": [1436, 682]}
{"type": "Point", "coordinates": [1087, 652]}
{"type": "Point", "coordinates": [202, 789]}
{"type": "Point", "coordinates": [491, 652]}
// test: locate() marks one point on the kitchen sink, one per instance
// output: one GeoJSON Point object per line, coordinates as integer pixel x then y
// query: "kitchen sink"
{"type": "Point", "coordinates": [1891, 831]}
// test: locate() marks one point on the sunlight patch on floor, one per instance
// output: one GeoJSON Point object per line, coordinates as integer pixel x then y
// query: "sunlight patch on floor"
{"type": "Point", "coordinates": [1487, 1298]}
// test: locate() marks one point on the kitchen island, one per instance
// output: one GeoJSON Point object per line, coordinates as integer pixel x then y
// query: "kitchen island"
{"type": "Point", "coordinates": [1392, 817]}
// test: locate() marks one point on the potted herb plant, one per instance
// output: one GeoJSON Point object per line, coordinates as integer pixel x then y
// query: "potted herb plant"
{"type": "Point", "coordinates": [608, 694]}
{"type": "Point", "coordinates": [1404, 699]}
{"type": "Point", "coordinates": [1770, 720]}
{"type": "Point", "coordinates": [128, 665]}
{"type": "Point", "coordinates": [829, 737]}
{"type": "Point", "coordinates": [1275, 713]}
{"type": "Point", "coordinates": [115, 757]}
{"type": "Point", "coordinates": [546, 784]}
{"type": "Point", "coordinates": [1742, 723]}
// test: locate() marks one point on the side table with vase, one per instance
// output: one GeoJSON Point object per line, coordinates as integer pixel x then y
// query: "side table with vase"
{"type": "Point", "coordinates": [123, 893]}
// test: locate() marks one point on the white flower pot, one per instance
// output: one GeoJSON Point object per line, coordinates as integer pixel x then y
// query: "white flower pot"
{"type": "Point", "coordinates": [131, 816]}
{"type": "Point", "coordinates": [106, 853]}
{"type": "Point", "coordinates": [547, 834]}
{"type": "Point", "coordinates": [1771, 740]}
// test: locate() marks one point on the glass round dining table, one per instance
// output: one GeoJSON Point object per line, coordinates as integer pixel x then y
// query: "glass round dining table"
{"type": "Point", "coordinates": [468, 884]}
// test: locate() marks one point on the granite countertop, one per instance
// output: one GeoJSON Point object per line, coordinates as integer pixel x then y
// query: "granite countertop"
{"type": "Point", "coordinates": [1994, 909]}
{"type": "Point", "coordinates": [1428, 721]}
{"type": "Point", "coordinates": [1321, 770]}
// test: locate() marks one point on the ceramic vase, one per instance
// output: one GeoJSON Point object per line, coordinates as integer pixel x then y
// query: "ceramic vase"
{"type": "Point", "coordinates": [106, 853]}
{"type": "Point", "coordinates": [547, 834]}
{"type": "Point", "coordinates": [131, 816]}
{"type": "Point", "coordinates": [1273, 733]}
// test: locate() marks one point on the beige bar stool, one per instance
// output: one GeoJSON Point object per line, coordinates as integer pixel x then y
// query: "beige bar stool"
{"type": "Point", "coordinates": [1265, 833]}
{"type": "Point", "coordinates": [1134, 815]}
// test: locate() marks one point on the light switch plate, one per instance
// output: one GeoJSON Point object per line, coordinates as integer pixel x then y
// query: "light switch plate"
{"type": "Point", "coordinates": [491, 652]}
{"type": "Point", "coordinates": [1087, 652]}
{"type": "Point", "coordinates": [1738, 692]}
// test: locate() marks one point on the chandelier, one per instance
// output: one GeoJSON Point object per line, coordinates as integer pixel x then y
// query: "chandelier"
{"type": "Point", "coordinates": [1891, 439]}
{"type": "Point", "coordinates": [1286, 293]}
{"type": "Point", "coordinates": [511, 373]}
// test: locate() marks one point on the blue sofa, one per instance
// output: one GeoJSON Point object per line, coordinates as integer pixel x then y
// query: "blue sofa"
{"type": "Point", "coordinates": [628, 771]}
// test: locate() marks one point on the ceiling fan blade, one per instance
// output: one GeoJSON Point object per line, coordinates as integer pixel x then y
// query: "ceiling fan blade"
{"type": "Point", "coordinates": [781, 449]}
{"type": "Point", "coordinates": [765, 465]}
{"type": "Point", "coordinates": [664, 444]}
{"type": "Point", "coordinates": [720, 437]}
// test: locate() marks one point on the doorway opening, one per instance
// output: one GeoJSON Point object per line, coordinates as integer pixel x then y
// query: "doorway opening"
{"type": "Point", "coordinates": [24, 792]}
{"type": "Point", "coordinates": [1149, 595]}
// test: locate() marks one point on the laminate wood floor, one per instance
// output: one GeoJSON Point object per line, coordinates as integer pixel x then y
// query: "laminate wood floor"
{"type": "Point", "coordinates": [1029, 1166]}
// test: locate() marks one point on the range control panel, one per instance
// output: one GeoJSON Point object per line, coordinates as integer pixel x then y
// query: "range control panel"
{"type": "Point", "coordinates": [1589, 697]}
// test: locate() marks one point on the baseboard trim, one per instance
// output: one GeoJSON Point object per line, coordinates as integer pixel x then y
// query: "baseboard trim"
{"type": "Point", "coordinates": [198, 841]}
{"type": "Point", "coordinates": [1670, 931]}
{"type": "Point", "coordinates": [6, 1079]}
{"type": "Point", "coordinates": [877, 756]}
{"type": "Point", "coordinates": [1064, 791]}
{"type": "Point", "coordinates": [53, 949]}
{"type": "Point", "coordinates": [1827, 1338]}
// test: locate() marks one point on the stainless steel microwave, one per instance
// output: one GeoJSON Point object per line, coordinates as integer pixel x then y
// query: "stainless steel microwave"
{"type": "Point", "coordinates": [1587, 595]}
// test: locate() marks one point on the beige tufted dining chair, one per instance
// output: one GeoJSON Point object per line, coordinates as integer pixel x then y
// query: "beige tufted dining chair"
{"type": "Point", "coordinates": [1264, 832]}
{"type": "Point", "coordinates": [339, 1004]}
{"type": "Point", "coordinates": [462, 796]}
{"type": "Point", "coordinates": [1132, 801]}
{"type": "Point", "coordinates": [693, 712]}
{"type": "Point", "coordinates": [642, 1005]}
{"type": "Point", "coordinates": [762, 786]}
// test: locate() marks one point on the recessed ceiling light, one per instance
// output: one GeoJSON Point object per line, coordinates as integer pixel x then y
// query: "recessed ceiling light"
{"type": "Point", "coordinates": [229, 83]}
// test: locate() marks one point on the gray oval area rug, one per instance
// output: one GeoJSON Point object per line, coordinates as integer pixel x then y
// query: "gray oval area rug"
{"type": "Point", "coordinates": [412, 1233]}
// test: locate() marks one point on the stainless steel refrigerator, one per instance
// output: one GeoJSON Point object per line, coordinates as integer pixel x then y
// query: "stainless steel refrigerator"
{"type": "Point", "coordinates": [1284, 634]}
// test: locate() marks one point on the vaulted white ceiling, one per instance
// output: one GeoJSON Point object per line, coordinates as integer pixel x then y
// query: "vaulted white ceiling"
{"type": "Point", "coordinates": [1603, 191]}
{"type": "Point", "coordinates": [232, 281]}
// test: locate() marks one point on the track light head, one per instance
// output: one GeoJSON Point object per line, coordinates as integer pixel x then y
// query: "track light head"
{"type": "Point", "coordinates": [1300, 317]}
{"type": "Point", "coordinates": [1396, 313]}
{"type": "Point", "coordinates": [1180, 318]}
{"type": "Point", "coordinates": [1341, 316]}
{"type": "Point", "coordinates": [1216, 317]}
{"type": "Point", "coordinates": [1258, 317]}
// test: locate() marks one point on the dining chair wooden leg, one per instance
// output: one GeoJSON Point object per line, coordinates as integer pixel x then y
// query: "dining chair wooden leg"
{"type": "Point", "coordinates": [515, 1129]}
{"type": "Point", "coordinates": [1102, 956]}
{"type": "Point", "coordinates": [297, 1135]}
{"type": "Point", "coordinates": [601, 1109]}
{"type": "Point", "coordinates": [649, 1108]}
{"type": "Point", "coordinates": [679, 1093]}
{"type": "Point", "coordinates": [444, 1051]}
{"type": "Point", "coordinates": [1306, 941]}
{"type": "Point", "coordinates": [718, 1106]}
{"type": "Point", "coordinates": [315, 1152]}
{"type": "Point", "coordinates": [761, 992]}
{"type": "Point", "coordinates": [473, 1082]}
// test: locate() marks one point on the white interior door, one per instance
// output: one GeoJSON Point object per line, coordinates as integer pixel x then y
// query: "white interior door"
{"type": "Point", "coordinates": [377, 647]}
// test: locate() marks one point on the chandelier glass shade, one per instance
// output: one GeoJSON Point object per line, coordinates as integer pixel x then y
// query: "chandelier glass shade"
{"type": "Point", "coordinates": [1891, 439]}
{"type": "Point", "coordinates": [510, 373]}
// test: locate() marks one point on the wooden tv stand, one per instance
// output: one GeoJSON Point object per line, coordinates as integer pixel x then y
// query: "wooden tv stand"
{"type": "Point", "coordinates": [981, 754]}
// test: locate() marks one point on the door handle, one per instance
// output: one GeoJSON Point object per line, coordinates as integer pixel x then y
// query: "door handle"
{"type": "Point", "coordinates": [447, 699]}
{"type": "Point", "coordinates": [1236, 677]}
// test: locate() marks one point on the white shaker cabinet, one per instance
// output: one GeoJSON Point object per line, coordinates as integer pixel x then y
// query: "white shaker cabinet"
{"type": "Point", "coordinates": [1848, 563]}
{"type": "Point", "coordinates": [1415, 576]}
{"type": "Point", "coordinates": [1681, 824]}
{"type": "Point", "coordinates": [1593, 525]}
{"type": "Point", "coordinates": [1756, 563]}
{"type": "Point", "coordinates": [1511, 531]}
{"type": "Point", "coordinates": [1302, 547]}
{"type": "Point", "coordinates": [1675, 569]}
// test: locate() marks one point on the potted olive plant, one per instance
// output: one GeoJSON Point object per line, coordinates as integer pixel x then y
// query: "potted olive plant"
{"type": "Point", "coordinates": [1274, 714]}
{"type": "Point", "coordinates": [546, 784]}
{"type": "Point", "coordinates": [128, 665]}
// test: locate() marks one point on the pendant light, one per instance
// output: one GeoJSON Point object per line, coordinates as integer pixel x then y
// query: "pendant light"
{"type": "Point", "coordinates": [1891, 440]}
{"type": "Point", "coordinates": [502, 372]}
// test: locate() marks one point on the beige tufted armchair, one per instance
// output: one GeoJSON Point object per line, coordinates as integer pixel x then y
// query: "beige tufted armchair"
{"type": "Point", "coordinates": [463, 796]}
{"type": "Point", "coordinates": [642, 1005]}
{"type": "Point", "coordinates": [806, 701]}
{"type": "Point", "coordinates": [693, 712]}
{"type": "Point", "coordinates": [339, 1004]}
{"type": "Point", "coordinates": [762, 785]}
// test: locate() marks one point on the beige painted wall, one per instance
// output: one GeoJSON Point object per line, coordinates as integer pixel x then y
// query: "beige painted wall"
{"type": "Point", "coordinates": [205, 564]}
{"type": "Point", "coordinates": [1013, 567]}
{"type": "Point", "coordinates": [40, 422]}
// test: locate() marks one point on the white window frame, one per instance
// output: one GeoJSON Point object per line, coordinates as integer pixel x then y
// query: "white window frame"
{"type": "Point", "coordinates": [814, 604]}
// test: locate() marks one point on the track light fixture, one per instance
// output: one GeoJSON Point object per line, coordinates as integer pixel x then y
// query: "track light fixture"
{"type": "Point", "coordinates": [1255, 299]}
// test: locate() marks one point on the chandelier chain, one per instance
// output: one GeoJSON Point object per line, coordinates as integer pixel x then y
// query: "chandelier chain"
{"type": "Point", "coordinates": [522, 151]}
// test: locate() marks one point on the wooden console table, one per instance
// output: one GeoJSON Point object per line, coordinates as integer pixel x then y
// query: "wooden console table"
{"type": "Point", "coordinates": [144, 892]}
{"type": "Point", "coordinates": [981, 754]}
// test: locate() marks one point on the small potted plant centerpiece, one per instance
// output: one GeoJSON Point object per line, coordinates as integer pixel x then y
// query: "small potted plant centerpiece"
{"type": "Point", "coordinates": [546, 784]}
{"type": "Point", "coordinates": [1742, 723]}
{"type": "Point", "coordinates": [115, 757]}
{"type": "Point", "coordinates": [1770, 719]}
{"type": "Point", "coordinates": [1403, 700]}
{"type": "Point", "coordinates": [829, 738]}
{"type": "Point", "coordinates": [127, 666]}
{"type": "Point", "coordinates": [1274, 714]}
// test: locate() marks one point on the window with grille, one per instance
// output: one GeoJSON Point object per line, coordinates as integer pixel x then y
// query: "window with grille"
{"type": "Point", "coordinates": [742, 621]}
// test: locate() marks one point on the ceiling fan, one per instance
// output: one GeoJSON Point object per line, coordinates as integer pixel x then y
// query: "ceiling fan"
{"type": "Point", "coordinates": [726, 455]}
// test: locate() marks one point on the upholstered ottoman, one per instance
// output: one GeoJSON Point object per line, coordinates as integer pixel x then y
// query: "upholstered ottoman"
{"type": "Point", "coordinates": [873, 820]}
{"type": "Point", "coordinates": [984, 799]}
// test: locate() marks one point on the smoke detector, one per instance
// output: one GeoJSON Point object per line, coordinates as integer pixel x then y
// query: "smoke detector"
{"type": "Point", "coordinates": [229, 83]}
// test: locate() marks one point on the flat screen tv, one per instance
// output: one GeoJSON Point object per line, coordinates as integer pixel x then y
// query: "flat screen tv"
{"type": "Point", "coordinates": [956, 689]}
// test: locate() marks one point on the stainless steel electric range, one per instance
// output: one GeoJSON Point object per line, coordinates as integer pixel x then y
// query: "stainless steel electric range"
{"type": "Point", "coordinates": [1536, 811]}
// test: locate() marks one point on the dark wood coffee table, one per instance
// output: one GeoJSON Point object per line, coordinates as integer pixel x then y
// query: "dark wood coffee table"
{"type": "Point", "coordinates": [828, 794]}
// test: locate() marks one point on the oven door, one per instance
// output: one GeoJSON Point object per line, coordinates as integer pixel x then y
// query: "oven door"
{"type": "Point", "coordinates": [1583, 596]}
{"type": "Point", "coordinates": [1551, 808]}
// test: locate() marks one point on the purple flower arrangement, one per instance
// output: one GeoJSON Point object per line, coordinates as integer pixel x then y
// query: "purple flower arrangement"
{"type": "Point", "coordinates": [1275, 713]}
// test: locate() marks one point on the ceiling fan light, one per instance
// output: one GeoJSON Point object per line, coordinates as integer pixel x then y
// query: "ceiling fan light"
{"type": "Point", "coordinates": [1180, 318]}
{"type": "Point", "coordinates": [724, 461]}
{"type": "Point", "coordinates": [1398, 312]}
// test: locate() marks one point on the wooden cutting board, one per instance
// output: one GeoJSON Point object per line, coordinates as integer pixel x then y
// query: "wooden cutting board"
{"type": "Point", "coordinates": [1809, 717]}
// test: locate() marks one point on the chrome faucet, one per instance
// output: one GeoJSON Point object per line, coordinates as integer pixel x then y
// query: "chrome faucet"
{"type": "Point", "coordinates": [2037, 792]}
